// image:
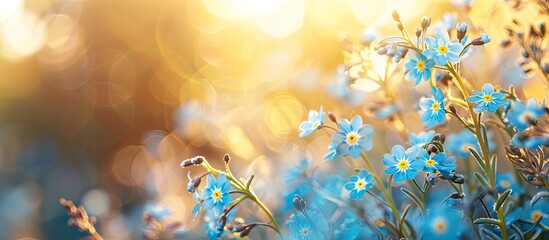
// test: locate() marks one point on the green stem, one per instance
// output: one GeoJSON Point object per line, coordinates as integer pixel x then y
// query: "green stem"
{"type": "Point", "coordinates": [502, 227]}
{"type": "Point", "coordinates": [381, 187]}
{"type": "Point", "coordinates": [476, 122]}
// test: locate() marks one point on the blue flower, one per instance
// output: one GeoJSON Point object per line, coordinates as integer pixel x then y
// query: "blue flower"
{"type": "Point", "coordinates": [437, 162]}
{"type": "Point", "coordinates": [418, 67]}
{"type": "Point", "coordinates": [216, 194]}
{"type": "Point", "coordinates": [211, 226]}
{"type": "Point", "coordinates": [442, 223]}
{"type": "Point", "coordinates": [523, 115]}
{"type": "Point", "coordinates": [539, 210]}
{"type": "Point", "coordinates": [303, 228]}
{"type": "Point", "coordinates": [297, 172]}
{"type": "Point", "coordinates": [433, 108]}
{"type": "Point", "coordinates": [506, 181]}
{"type": "Point", "coordinates": [462, 27]}
{"type": "Point", "coordinates": [531, 139]}
{"type": "Point", "coordinates": [459, 143]}
{"type": "Point", "coordinates": [421, 139]}
{"type": "Point", "coordinates": [442, 50]}
{"type": "Point", "coordinates": [316, 119]}
{"type": "Point", "coordinates": [487, 100]}
{"type": "Point", "coordinates": [353, 137]}
{"type": "Point", "coordinates": [403, 164]}
{"type": "Point", "coordinates": [359, 184]}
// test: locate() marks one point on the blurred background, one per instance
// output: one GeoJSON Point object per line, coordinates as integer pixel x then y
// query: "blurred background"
{"type": "Point", "coordinates": [100, 100]}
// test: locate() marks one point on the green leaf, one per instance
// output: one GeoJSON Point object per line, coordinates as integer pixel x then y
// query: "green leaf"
{"type": "Point", "coordinates": [489, 234]}
{"type": "Point", "coordinates": [538, 196]}
{"type": "Point", "coordinates": [412, 196]}
{"type": "Point", "coordinates": [490, 221]}
{"type": "Point", "coordinates": [478, 158]}
{"type": "Point", "coordinates": [520, 234]}
{"type": "Point", "coordinates": [501, 199]}
{"type": "Point", "coordinates": [404, 213]}
{"type": "Point", "coordinates": [494, 162]}
{"type": "Point", "coordinates": [482, 180]}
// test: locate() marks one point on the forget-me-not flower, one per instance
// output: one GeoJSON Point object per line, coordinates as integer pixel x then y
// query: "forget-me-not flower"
{"type": "Point", "coordinates": [419, 140]}
{"type": "Point", "coordinates": [403, 164]}
{"type": "Point", "coordinates": [315, 121]}
{"type": "Point", "coordinates": [216, 194]}
{"type": "Point", "coordinates": [523, 115]}
{"type": "Point", "coordinates": [438, 161]}
{"type": "Point", "coordinates": [418, 68]}
{"type": "Point", "coordinates": [442, 50]}
{"type": "Point", "coordinates": [487, 100]}
{"type": "Point", "coordinates": [506, 181]}
{"type": "Point", "coordinates": [433, 108]}
{"type": "Point", "coordinates": [359, 184]}
{"type": "Point", "coordinates": [353, 137]}
{"type": "Point", "coordinates": [459, 143]}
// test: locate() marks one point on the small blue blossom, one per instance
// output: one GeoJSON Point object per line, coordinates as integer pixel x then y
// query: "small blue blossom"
{"type": "Point", "coordinates": [442, 50]}
{"type": "Point", "coordinates": [539, 210]}
{"type": "Point", "coordinates": [340, 88]}
{"type": "Point", "coordinates": [403, 164]}
{"type": "Point", "coordinates": [421, 139]}
{"type": "Point", "coordinates": [433, 108]}
{"type": "Point", "coordinates": [506, 181]}
{"type": "Point", "coordinates": [298, 172]}
{"type": "Point", "coordinates": [353, 137]}
{"type": "Point", "coordinates": [418, 68]}
{"type": "Point", "coordinates": [216, 194]}
{"type": "Point", "coordinates": [211, 226]}
{"type": "Point", "coordinates": [523, 115]}
{"type": "Point", "coordinates": [302, 228]}
{"type": "Point", "coordinates": [458, 144]}
{"type": "Point", "coordinates": [359, 184]}
{"type": "Point", "coordinates": [439, 161]}
{"type": "Point", "coordinates": [487, 100]}
{"type": "Point", "coordinates": [442, 223]}
{"type": "Point", "coordinates": [531, 139]}
{"type": "Point", "coordinates": [315, 121]}
{"type": "Point", "coordinates": [447, 22]}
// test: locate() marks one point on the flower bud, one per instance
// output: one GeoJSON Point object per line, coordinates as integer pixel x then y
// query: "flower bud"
{"type": "Point", "coordinates": [299, 203]}
{"type": "Point", "coordinates": [400, 27]}
{"type": "Point", "coordinates": [418, 32]}
{"type": "Point", "coordinates": [452, 109]}
{"type": "Point", "coordinates": [226, 158]}
{"type": "Point", "coordinates": [193, 184]}
{"type": "Point", "coordinates": [332, 117]}
{"type": "Point", "coordinates": [457, 195]}
{"type": "Point", "coordinates": [483, 39]}
{"type": "Point", "coordinates": [425, 22]}
{"type": "Point", "coordinates": [431, 179]}
{"type": "Point", "coordinates": [505, 43]}
{"type": "Point", "coordinates": [439, 137]}
{"type": "Point", "coordinates": [396, 17]}
{"type": "Point", "coordinates": [431, 148]}
{"type": "Point", "coordinates": [461, 30]}
{"type": "Point", "coordinates": [221, 221]}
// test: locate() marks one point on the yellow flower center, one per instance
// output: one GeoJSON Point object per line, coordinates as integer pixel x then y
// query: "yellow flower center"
{"type": "Point", "coordinates": [379, 223]}
{"type": "Point", "coordinates": [304, 232]}
{"type": "Point", "coordinates": [526, 117]}
{"type": "Point", "coordinates": [436, 106]}
{"type": "Point", "coordinates": [316, 124]}
{"type": "Point", "coordinates": [402, 164]}
{"type": "Point", "coordinates": [440, 226]}
{"type": "Point", "coordinates": [505, 184]}
{"type": "Point", "coordinates": [420, 65]}
{"type": "Point", "coordinates": [487, 98]}
{"type": "Point", "coordinates": [442, 49]}
{"type": "Point", "coordinates": [430, 162]}
{"type": "Point", "coordinates": [216, 194]}
{"type": "Point", "coordinates": [535, 215]}
{"type": "Point", "coordinates": [360, 184]}
{"type": "Point", "coordinates": [352, 138]}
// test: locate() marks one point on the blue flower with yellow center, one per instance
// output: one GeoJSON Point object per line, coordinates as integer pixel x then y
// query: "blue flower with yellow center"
{"type": "Point", "coordinates": [442, 223]}
{"type": "Point", "coordinates": [307, 228]}
{"type": "Point", "coordinates": [403, 164]}
{"type": "Point", "coordinates": [442, 50]}
{"type": "Point", "coordinates": [420, 139]}
{"type": "Point", "coordinates": [523, 115]}
{"type": "Point", "coordinates": [487, 100]}
{"type": "Point", "coordinates": [353, 137]}
{"type": "Point", "coordinates": [216, 193]}
{"type": "Point", "coordinates": [359, 184]}
{"type": "Point", "coordinates": [315, 121]}
{"type": "Point", "coordinates": [506, 181]}
{"type": "Point", "coordinates": [439, 161]}
{"type": "Point", "coordinates": [459, 143]}
{"type": "Point", "coordinates": [433, 108]}
{"type": "Point", "coordinates": [418, 68]}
